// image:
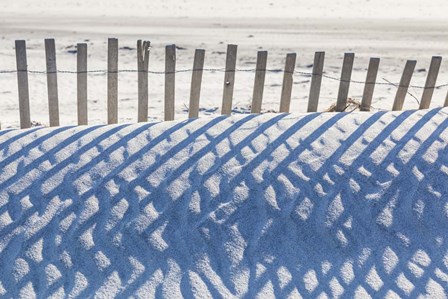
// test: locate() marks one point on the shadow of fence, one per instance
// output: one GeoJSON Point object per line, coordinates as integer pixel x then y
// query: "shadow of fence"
{"type": "Point", "coordinates": [336, 205]}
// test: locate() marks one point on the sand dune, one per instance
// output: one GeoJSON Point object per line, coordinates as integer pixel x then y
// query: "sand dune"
{"type": "Point", "coordinates": [331, 205]}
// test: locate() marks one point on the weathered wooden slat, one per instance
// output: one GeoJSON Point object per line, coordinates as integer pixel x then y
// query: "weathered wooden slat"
{"type": "Point", "coordinates": [404, 85]}
{"type": "Point", "coordinates": [22, 79]}
{"type": "Point", "coordinates": [344, 85]}
{"type": "Point", "coordinates": [285, 99]}
{"type": "Point", "coordinates": [316, 80]}
{"type": "Point", "coordinates": [52, 82]}
{"type": "Point", "coordinates": [142, 65]}
{"type": "Point", "coordinates": [260, 75]}
{"type": "Point", "coordinates": [82, 83]}
{"type": "Point", "coordinates": [196, 81]}
{"type": "Point", "coordinates": [446, 101]}
{"type": "Point", "coordinates": [229, 79]}
{"type": "Point", "coordinates": [431, 79]}
{"type": "Point", "coordinates": [369, 87]}
{"type": "Point", "coordinates": [112, 81]}
{"type": "Point", "coordinates": [170, 79]}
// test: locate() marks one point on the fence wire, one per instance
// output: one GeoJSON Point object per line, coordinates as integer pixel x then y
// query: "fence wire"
{"type": "Point", "coordinates": [222, 70]}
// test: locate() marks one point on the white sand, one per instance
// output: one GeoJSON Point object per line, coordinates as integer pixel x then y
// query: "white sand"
{"type": "Point", "coordinates": [392, 30]}
{"type": "Point", "coordinates": [271, 206]}
{"type": "Point", "coordinates": [319, 205]}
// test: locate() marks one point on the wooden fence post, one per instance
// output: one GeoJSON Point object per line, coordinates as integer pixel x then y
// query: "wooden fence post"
{"type": "Point", "coordinates": [288, 81]}
{"type": "Point", "coordinates": [316, 80]}
{"type": "Point", "coordinates": [446, 101]}
{"type": "Point", "coordinates": [404, 85]}
{"type": "Point", "coordinates": [170, 76]}
{"type": "Point", "coordinates": [260, 75]}
{"type": "Point", "coordinates": [369, 87]}
{"type": "Point", "coordinates": [112, 81]}
{"type": "Point", "coordinates": [82, 83]}
{"type": "Point", "coordinates": [142, 65]}
{"type": "Point", "coordinates": [344, 85]}
{"type": "Point", "coordinates": [196, 81]}
{"type": "Point", "coordinates": [431, 79]}
{"type": "Point", "coordinates": [22, 79]}
{"type": "Point", "coordinates": [52, 82]}
{"type": "Point", "coordinates": [229, 79]}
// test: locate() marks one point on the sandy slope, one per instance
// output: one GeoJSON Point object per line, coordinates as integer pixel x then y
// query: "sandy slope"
{"type": "Point", "coordinates": [393, 30]}
{"type": "Point", "coordinates": [336, 205]}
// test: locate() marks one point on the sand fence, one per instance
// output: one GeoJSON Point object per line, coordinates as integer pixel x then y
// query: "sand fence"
{"type": "Point", "coordinates": [143, 55]}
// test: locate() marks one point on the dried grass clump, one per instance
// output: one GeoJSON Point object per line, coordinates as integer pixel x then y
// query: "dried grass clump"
{"type": "Point", "coordinates": [352, 105]}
